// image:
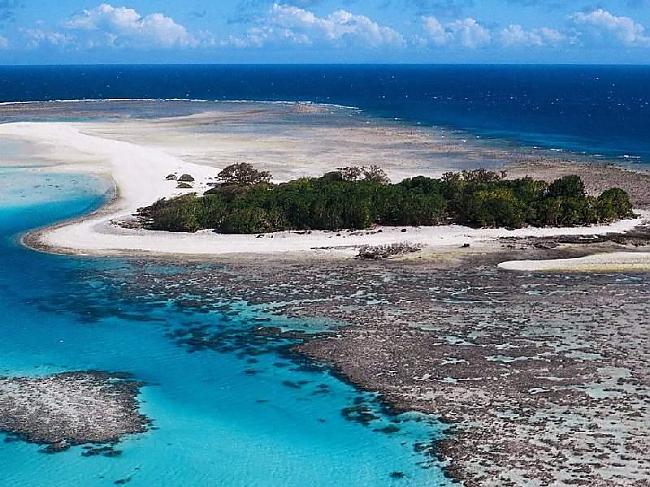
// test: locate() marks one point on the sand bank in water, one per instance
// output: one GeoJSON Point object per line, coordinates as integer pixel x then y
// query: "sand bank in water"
{"type": "Point", "coordinates": [606, 262]}
{"type": "Point", "coordinates": [139, 171]}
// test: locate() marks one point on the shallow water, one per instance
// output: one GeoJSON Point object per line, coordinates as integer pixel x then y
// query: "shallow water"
{"type": "Point", "coordinates": [594, 109]}
{"type": "Point", "coordinates": [241, 412]}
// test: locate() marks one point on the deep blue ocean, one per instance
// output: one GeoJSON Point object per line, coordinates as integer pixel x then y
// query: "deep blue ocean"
{"type": "Point", "coordinates": [598, 110]}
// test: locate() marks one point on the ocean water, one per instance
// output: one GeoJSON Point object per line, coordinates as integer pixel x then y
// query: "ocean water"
{"type": "Point", "coordinates": [603, 111]}
{"type": "Point", "coordinates": [221, 417]}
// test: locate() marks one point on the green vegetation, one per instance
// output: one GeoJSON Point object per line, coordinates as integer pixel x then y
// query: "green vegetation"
{"type": "Point", "coordinates": [245, 201]}
{"type": "Point", "coordinates": [243, 174]}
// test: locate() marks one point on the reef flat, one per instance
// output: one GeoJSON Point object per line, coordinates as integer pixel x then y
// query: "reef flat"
{"type": "Point", "coordinates": [543, 378]}
{"type": "Point", "coordinates": [71, 408]}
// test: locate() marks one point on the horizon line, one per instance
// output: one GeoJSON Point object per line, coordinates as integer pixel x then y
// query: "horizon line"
{"type": "Point", "coordinates": [578, 64]}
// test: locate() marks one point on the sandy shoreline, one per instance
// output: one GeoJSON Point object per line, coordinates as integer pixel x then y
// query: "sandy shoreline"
{"type": "Point", "coordinates": [139, 172]}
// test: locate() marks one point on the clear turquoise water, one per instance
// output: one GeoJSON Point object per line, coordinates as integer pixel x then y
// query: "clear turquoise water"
{"type": "Point", "coordinates": [215, 424]}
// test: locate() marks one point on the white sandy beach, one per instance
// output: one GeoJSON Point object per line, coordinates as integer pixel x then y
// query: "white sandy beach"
{"type": "Point", "coordinates": [139, 170]}
{"type": "Point", "coordinates": [605, 262]}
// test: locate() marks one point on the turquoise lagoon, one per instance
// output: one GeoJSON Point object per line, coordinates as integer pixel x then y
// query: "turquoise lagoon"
{"type": "Point", "coordinates": [220, 418]}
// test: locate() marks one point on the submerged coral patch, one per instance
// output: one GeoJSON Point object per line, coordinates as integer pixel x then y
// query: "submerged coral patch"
{"type": "Point", "coordinates": [72, 408]}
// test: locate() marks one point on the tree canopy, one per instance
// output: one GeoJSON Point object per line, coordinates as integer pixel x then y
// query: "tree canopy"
{"type": "Point", "coordinates": [247, 202]}
{"type": "Point", "coordinates": [243, 174]}
{"type": "Point", "coordinates": [374, 174]}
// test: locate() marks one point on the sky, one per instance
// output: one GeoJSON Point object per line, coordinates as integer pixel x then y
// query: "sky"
{"type": "Point", "coordinates": [324, 31]}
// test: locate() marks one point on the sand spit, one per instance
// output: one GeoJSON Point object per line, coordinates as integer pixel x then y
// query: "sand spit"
{"type": "Point", "coordinates": [606, 262]}
{"type": "Point", "coordinates": [71, 408]}
{"type": "Point", "coordinates": [597, 178]}
{"type": "Point", "coordinates": [89, 237]}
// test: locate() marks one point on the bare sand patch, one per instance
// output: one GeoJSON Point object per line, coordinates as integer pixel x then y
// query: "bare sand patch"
{"type": "Point", "coordinates": [605, 262]}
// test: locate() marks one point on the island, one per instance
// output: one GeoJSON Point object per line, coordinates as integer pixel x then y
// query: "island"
{"type": "Point", "coordinates": [244, 201]}
{"type": "Point", "coordinates": [144, 160]}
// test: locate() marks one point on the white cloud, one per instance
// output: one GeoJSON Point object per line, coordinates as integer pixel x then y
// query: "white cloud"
{"type": "Point", "coordinates": [516, 35]}
{"type": "Point", "coordinates": [466, 32]}
{"type": "Point", "coordinates": [470, 33]}
{"type": "Point", "coordinates": [4, 42]}
{"type": "Point", "coordinates": [287, 23]}
{"type": "Point", "coordinates": [605, 25]}
{"type": "Point", "coordinates": [38, 37]}
{"type": "Point", "coordinates": [436, 32]}
{"type": "Point", "coordinates": [121, 26]}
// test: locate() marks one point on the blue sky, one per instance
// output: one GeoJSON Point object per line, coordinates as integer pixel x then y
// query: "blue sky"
{"type": "Point", "coordinates": [324, 31]}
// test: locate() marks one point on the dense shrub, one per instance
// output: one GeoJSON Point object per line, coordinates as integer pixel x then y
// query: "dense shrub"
{"type": "Point", "coordinates": [359, 198]}
{"type": "Point", "coordinates": [613, 204]}
{"type": "Point", "coordinates": [567, 187]}
{"type": "Point", "coordinates": [243, 174]}
{"type": "Point", "coordinates": [497, 207]}
{"type": "Point", "coordinates": [175, 215]}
